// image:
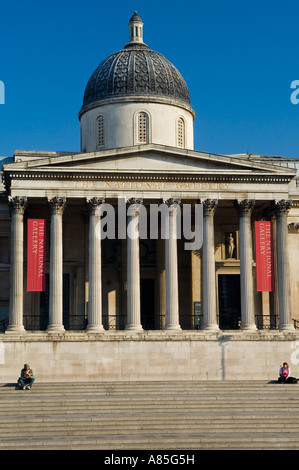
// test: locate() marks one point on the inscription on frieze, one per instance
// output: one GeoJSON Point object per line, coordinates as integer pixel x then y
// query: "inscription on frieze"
{"type": "Point", "coordinates": [151, 185]}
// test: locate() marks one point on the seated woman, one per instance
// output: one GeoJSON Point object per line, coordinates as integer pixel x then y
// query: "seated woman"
{"type": "Point", "coordinates": [284, 374]}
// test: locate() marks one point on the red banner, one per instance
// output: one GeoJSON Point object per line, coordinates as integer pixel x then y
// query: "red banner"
{"type": "Point", "coordinates": [36, 255]}
{"type": "Point", "coordinates": [264, 256]}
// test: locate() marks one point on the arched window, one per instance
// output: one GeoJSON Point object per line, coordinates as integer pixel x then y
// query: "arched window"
{"type": "Point", "coordinates": [181, 133]}
{"type": "Point", "coordinates": [143, 128]}
{"type": "Point", "coordinates": [100, 131]}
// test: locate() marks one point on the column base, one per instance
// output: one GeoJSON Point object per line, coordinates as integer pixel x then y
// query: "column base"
{"type": "Point", "coordinates": [15, 329]}
{"type": "Point", "coordinates": [211, 327]}
{"type": "Point", "coordinates": [173, 327]}
{"type": "Point", "coordinates": [134, 327]}
{"type": "Point", "coordinates": [55, 329]}
{"type": "Point", "coordinates": [95, 328]}
{"type": "Point", "coordinates": [249, 327]}
{"type": "Point", "coordinates": [286, 327]}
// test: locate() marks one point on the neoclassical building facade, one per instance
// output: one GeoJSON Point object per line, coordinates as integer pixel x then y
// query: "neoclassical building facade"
{"type": "Point", "coordinates": [120, 296]}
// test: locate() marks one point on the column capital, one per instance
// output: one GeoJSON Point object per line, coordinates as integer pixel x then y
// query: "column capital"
{"type": "Point", "coordinates": [281, 207]}
{"type": "Point", "coordinates": [57, 204]}
{"type": "Point", "coordinates": [173, 205]}
{"type": "Point", "coordinates": [172, 201]}
{"type": "Point", "coordinates": [134, 201]}
{"type": "Point", "coordinates": [95, 205]}
{"type": "Point", "coordinates": [17, 204]}
{"type": "Point", "coordinates": [209, 206]}
{"type": "Point", "coordinates": [244, 207]}
{"type": "Point", "coordinates": [134, 204]}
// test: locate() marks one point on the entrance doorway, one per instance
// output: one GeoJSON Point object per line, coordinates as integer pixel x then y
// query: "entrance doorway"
{"type": "Point", "coordinates": [147, 295]}
{"type": "Point", "coordinates": [44, 305]}
{"type": "Point", "coordinates": [229, 301]}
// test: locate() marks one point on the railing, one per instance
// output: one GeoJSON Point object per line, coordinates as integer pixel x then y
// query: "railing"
{"type": "Point", "coordinates": [3, 325]}
{"type": "Point", "coordinates": [118, 322]}
{"type": "Point", "coordinates": [266, 322]}
{"type": "Point", "coordinates": [111, 322]}
{"type": "Point", "coordinates": [40, 323]}
{"type": "Point", "coordinates": [271, 322]}
{"type": "Point", "coordinates": [149, 322]}
{"type": "Point", "coordinates": [75, 322]}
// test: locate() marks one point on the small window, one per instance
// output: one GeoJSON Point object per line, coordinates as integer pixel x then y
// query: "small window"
{"type": "Point", "coordinates": [181, 133]}
{"type": "Point", "coordinates": [100, 132]}
{"type": "Point", "coordinates": [143, 128]}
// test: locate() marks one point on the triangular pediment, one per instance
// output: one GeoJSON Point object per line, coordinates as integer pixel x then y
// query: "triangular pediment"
{"type": "Point", "coordinates": [147, 159]}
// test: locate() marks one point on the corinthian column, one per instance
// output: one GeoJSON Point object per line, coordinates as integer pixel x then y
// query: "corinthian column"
{"type": "Point", "coordinates": [208, 266]}
{"type": "Point", "coordinates": [283, 270]}
{"type": "Point", "coordinates": [133, 266]}
{"type": "Point", "coordinates": [57, 205]}
{"type": "Point", "coordinates": [245, 208]}
{"type": "Point", "coordinates": [17, 207]}
{"type": "Point", "coordinates": [171, 267]}
{"type": "Point", "coordinates": [95, 266]}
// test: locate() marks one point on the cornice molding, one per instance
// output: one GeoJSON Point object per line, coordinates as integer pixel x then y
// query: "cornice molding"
{"type": "Point", "coordinates": [129, 176]}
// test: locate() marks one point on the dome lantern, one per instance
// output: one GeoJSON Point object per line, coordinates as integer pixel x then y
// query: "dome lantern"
{"type": "Point", "coordinates": [135, 30]}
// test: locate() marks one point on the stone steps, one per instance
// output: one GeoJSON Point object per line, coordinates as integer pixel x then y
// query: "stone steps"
{"type": "Point", "coordinates": [150, 416]}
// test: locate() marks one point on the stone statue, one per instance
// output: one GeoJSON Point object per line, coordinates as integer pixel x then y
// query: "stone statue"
{"type": "Point", "coordinates": [230, 245]}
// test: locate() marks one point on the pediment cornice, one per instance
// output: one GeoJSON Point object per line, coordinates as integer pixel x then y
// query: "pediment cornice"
{"type": "Point", "coordinates": [148, 163]}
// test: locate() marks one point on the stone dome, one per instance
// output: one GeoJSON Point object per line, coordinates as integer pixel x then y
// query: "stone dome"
{"type": "Point", "coordinates": [135, 97]}
{"type": "Point", "coordinates": [136, 72]}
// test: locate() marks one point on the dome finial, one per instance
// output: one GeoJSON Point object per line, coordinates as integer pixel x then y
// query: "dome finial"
{"type": "Point", "coordinates": [135, 29]}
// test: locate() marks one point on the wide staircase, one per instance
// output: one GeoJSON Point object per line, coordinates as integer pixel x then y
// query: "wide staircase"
{"type": "Point", "coordinates": [150, 416]}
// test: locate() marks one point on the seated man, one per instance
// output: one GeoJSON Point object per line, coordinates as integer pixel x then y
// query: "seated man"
{"type": "Point", "coordinates": [27, 378]}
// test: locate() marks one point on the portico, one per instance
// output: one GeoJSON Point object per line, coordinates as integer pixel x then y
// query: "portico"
{"type": "Point", "coordinates": [80, 188]}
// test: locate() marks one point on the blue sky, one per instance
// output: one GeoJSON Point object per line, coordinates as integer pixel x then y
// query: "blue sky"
{"type": "Point", "coordinates": [238, 57]}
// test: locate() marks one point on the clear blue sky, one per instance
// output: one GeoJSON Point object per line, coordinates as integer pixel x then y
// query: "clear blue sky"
{"type": "Point", "coordinates": [238, 58]}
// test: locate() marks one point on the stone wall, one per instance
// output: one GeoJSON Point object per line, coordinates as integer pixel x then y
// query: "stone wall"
{"type": "Point", "coordinates": [151, 355]}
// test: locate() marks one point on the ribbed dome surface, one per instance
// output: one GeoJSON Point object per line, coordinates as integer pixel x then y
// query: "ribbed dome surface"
{"type": "Point", "coordinates": [136, 72]}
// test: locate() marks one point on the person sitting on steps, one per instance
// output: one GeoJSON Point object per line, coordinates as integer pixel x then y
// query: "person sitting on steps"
{"type": "Point", "coordinates": [284, 374]}
{"type": "Point", "coordinates": [26, 379]}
